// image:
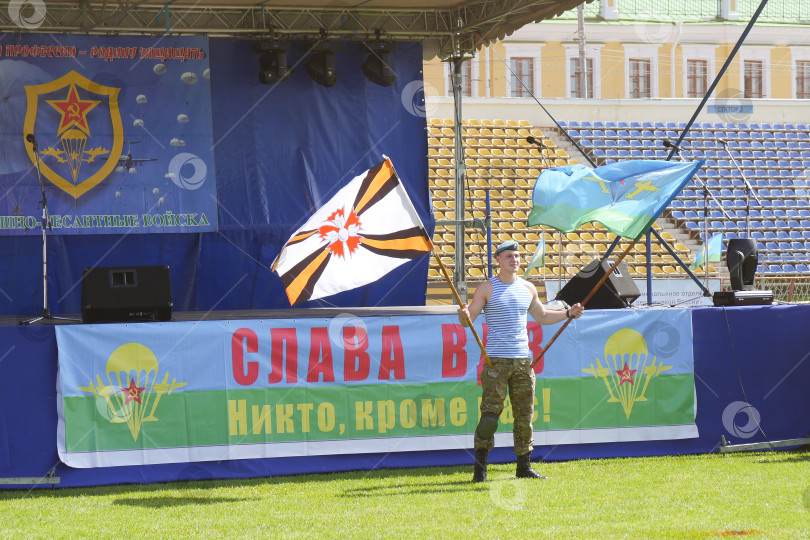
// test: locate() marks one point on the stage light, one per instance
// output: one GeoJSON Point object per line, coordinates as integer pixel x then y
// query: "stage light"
{"type": "Point", "coordinates": [377, 65]}
{"type": "Point", "coordinates": [742, 258]}
{"type": "Point", "coordinates": [321, 63]}
{"type": "Point", "coordinates": [273, 65]}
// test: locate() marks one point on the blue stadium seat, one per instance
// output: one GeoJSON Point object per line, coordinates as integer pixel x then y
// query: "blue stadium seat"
{"type": "Point", "coordinates": [802, 268]}
{"type": "Point", "coordinates": [649, 153]}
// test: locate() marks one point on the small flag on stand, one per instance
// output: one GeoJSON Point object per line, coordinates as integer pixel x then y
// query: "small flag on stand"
{"type": "Point", "coordinates": [538, 259]}
{"type": "Point", "coordinates": [366, 230]}
{"type": "Point", "coordinates": [626, 196]}
{"type": "Point", "coordinates": [715, 250]}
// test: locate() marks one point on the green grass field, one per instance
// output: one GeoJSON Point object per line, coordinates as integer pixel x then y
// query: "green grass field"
{"type": "Point", "coordinates": [762, 495]}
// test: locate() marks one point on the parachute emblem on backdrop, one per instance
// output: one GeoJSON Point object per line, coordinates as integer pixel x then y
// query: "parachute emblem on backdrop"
{"type": "Point", "coordinates": [628, 368]}
{"type": "Point", "coordinates": [66, 115]}
{"type": "Point", "coordinates": [132, 393]}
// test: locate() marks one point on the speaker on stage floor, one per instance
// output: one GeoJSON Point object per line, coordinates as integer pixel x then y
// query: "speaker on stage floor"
{"type": "Point", "coordinates": [618, 291]}
{"type": "Point", "coordinates": [122, 294]}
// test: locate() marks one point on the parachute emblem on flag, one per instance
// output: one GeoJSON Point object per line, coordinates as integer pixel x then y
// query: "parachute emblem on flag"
{"type": "Point", "coordinates": [368, 228]}
{"type": "Point", "coordinates": [130, 399]}
{"type": "Point", "coordinates": [627, 354]}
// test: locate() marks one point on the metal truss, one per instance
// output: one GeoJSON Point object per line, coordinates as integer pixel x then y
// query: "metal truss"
{"type": "Point", "coordinates": [459, 29]}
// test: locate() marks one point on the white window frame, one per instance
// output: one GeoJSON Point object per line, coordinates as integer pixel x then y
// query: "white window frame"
{"type": "Point", "coordinates": [524, 50]}
{"type": "Point", "coordinates": [761, 54]}
{"type": "Point", "coordinates": [647, 51]}
{"type": "Point", "coordinates": [703, 51]}
{"type": "Point", "coordinates": [595, 54]}
{"type": "Point", "coordinates": [797, 54]}
{"type": "Point", "coordinates": [448, 71]}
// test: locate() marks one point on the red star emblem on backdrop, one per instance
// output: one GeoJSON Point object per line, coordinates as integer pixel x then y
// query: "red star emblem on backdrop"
{"type": "Point", "coordinates": [74, 111]}
{"type": "Point", "coordinates": [626, 374]}
{"type": "Point", "coordinates": [132, 392]}
{"type": "Point", "coordinates": [342, 232]}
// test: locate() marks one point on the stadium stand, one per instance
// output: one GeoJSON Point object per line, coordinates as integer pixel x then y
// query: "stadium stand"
{"type": "Point", "coordinates": [498, 158]}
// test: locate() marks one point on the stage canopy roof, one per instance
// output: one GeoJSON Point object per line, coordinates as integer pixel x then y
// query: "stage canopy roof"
{"type": "Point", "coordinates": [452, 24]}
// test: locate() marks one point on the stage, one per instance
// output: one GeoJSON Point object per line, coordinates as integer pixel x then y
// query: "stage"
{"type": "Point", "coordinates": [754, 354]}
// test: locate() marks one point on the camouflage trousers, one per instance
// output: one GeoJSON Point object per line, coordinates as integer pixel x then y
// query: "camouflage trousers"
{"type": "Point", "coordinates": [516, 376]}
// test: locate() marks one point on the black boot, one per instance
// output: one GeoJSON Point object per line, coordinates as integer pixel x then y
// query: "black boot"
{"type": "Point", "coordinates": [524, 469]}
{"type": "Point", "coordinates": [480, 468]}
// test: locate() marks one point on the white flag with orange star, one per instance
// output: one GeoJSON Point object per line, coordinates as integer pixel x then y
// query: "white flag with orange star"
{"type": "Point", "coordinates": [366, 230]}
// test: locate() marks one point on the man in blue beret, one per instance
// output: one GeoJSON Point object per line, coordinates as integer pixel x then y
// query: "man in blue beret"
{"type": "Point", "coordinates": [506, 299]}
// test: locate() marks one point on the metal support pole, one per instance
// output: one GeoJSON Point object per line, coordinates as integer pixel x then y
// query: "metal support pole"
{"type": "Point", "coordinates": [459, 271]}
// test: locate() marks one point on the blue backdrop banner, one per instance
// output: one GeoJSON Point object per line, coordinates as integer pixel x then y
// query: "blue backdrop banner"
{"type": "Point", "coordinates": [279, 151]}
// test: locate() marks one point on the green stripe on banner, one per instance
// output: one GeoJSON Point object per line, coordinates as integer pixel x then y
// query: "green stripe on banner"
{"type": "Point", "coordinates": [251, 416]}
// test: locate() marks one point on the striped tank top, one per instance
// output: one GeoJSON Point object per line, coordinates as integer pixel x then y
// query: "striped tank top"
{"type": "Point", "coordinates": [506, 319]}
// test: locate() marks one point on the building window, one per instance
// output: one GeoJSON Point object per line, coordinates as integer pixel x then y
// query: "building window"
{"type": "Point", "coordinates": [803, 79]}
{"type": "Point", "coordinates": [752, 79]}
{"type": "Point", "coordinates": [575, 76]}
{"type": "Point", "coordinates": [697, 72]}
{"type": "Point", "coordinates": [522, 76]}
{"type": "Point", "coordinates": [466, 79]}
{"type": "Point", "coordinates": [639, 78]}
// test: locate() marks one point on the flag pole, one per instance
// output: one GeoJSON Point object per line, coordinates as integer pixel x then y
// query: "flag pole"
{"type": "Point", "coordinates": [460, 303]}
{"type": "Point", "coordinates": [585, 300]}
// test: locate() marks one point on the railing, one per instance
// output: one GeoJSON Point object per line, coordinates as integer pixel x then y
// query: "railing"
{"type": "Point", "coordinates": [786, 288]}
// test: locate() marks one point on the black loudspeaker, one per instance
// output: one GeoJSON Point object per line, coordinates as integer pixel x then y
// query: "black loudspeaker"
{"type": "Point", "coordinates": [130, 293]}
{"type": "Point", "coordinates": [742, 258]}
{"type": "Point", "coordinates": [618, 291]}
